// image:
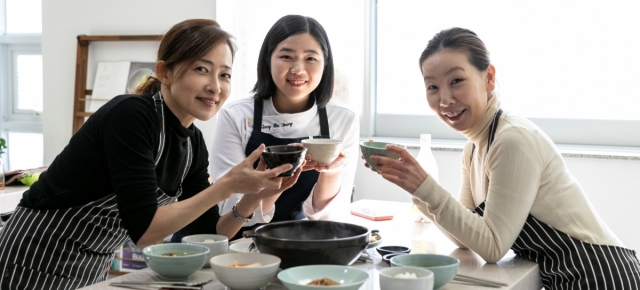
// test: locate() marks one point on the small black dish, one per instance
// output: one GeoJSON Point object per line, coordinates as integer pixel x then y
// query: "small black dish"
{"type": "Point", "coordinates": [385, 250]}
{"type": "Point", "coordinates": [387, 257]}
{"type": "Point", "coordinates": [277, 155]}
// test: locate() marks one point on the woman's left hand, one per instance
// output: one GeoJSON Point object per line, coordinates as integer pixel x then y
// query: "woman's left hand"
{"type": "Point", "coordinates": [335, 166]}
{"type": "Point", "coordinates": [405, 173]}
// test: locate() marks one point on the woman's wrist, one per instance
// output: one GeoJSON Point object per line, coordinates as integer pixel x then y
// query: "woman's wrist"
{"type": "Point", "coordinates": [247, 205]}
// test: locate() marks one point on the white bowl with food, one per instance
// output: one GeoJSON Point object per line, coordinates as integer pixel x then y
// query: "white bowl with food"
{"type": "Point", "coordinates": [244, 271]}
{"type": "Point", "coordinates": [217, 244]}
{"type": "Point", "coordinates": [406, 278]}
{"type": "Point", "coordinates": [242, 247]}
{"type": "Point", "coordinates": [313, 277]}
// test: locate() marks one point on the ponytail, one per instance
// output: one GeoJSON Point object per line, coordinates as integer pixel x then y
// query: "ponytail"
{"type": "Point", "coordinates": [150, 87]}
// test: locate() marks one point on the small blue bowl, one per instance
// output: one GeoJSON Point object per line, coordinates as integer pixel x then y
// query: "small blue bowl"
{"type": "Point", "coordinates": [444, 268]}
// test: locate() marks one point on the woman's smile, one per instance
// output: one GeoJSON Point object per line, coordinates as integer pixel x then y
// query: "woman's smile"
{"type": "Point", "coordinates": [297, 83]}
{"type": "Point", "coordinates": [209, 102]}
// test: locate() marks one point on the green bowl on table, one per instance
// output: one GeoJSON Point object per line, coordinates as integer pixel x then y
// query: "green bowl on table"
{"type": "Point", "coordinates": [175, 261]}
{"type": "Point", "coordinates": [444, 267]}
{"type": "Point", "coordinates": [298, 278]}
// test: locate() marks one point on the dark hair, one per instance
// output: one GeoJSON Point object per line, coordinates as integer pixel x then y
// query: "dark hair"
{"type": "Point", "coordinates": [186, 42]}
{"type": "Point", "coordinates": [285, 27]}
{"type": "Point", "coordinates": [459, 39]}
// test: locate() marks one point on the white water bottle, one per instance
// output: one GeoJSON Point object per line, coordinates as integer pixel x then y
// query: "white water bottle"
{"type": "Point", "coordinates": [425, 157]}
{"type": "Point", "coordinates": [428, 162]}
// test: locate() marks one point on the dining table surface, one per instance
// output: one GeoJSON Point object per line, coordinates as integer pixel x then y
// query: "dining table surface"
{"type": "Point", "coordinates": [402, 230]}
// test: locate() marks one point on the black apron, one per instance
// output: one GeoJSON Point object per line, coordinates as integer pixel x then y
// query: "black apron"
{"type": "Point", "coordinates": [68, 248]}
{"type": "Point", "coordinates": [289, 204]}
{"type": "Point", "coordinates": [566, 262]}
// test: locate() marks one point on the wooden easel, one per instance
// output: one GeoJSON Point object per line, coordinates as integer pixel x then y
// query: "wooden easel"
{"type": "Point", "coordinates": [82, 58]}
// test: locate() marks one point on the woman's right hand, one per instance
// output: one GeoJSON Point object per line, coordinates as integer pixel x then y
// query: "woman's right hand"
{"type": "Point", "coordinates": [242, 178]}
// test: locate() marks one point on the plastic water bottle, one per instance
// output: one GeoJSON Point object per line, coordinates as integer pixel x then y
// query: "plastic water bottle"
{"type": "Point", "coordinates": [428, 162]}
{"type": "Point", "coordinates": [425, 157]}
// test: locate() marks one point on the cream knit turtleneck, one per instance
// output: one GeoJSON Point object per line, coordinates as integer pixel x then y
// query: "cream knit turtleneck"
{"type": "Point", "coordinates": [522, 173]}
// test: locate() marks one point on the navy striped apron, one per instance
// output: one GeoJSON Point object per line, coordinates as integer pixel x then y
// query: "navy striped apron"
{"type": "Point", "coordinates": [68, 248]}
{"type": "Point", "coordinates": [566, 262]}
{"type": "Point", "coordinates": [289, 204]}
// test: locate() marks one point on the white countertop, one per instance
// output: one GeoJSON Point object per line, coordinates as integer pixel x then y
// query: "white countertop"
{"type": "Point", "coordinates": [401, 230]}
{"type": "Point", "coordinates": [10, 197]}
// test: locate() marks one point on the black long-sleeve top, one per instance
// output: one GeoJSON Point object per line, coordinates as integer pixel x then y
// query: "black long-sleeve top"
{"type": "Point", "coordinates": [114, 152]}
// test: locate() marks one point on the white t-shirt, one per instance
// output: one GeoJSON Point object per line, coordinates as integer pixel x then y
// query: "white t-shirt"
{"type": "Point", "coordinates": [234, 128]}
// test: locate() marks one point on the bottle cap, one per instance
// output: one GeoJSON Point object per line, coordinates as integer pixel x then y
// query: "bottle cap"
{"type": "Point", "coordinates": [425, 137]}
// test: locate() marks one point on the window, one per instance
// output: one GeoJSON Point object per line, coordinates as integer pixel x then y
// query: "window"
{"type": "Point", "coordinates": [568, 66]}
{"type": "Point", "coordinates": [21, 94]}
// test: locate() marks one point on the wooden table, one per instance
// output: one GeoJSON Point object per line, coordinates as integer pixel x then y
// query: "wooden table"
{"type": "Point", "coordinates": [401, 230]}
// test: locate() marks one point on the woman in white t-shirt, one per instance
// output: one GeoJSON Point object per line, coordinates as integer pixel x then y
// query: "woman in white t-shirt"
{"type": "Point", "coordinates": [516, 190]}
{"type": "Point", "coordinates": [291, 103]}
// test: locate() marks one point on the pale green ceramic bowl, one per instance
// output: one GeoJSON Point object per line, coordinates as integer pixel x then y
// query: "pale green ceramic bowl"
{"type": "Point", "coordinates": [297, 278]}
{"type": "Point", "coordinates": [444, 268]}
{"type": "Point", "coordinates": [175, 268]}
{"type": "Point", "coordinates": [376, 148]}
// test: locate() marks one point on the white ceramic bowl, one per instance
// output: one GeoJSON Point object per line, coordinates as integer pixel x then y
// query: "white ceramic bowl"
{"type": "Point", "coordinates": [245, 278]}
{"type": "Point", "coordinates": [297, 278]}
{"type": "Point", "coordinates": [323, 151]}
{"type": "Point", "coordinates": [242, 247]}
{"type": "Point", "coordinates": [388, 281]}
{"type": "Point", "coordinates": [218, 246]}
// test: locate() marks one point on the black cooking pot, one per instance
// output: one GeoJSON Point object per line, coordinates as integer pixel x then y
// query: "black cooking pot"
{"type": "Point", "coordinates": [299, 243]}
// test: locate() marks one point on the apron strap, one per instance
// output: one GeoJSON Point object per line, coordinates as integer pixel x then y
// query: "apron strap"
{"type": "Point", "coordinates": [492, 132]}
{"type": "Point", "coordinates": [258, 105]}
{"type": "Point", "coordinates": [157, 99]}
{"type": "Point", "coordinates": [324, 121]}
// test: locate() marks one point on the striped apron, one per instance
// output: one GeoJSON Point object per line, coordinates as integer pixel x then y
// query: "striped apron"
{"type": "Point", "coordinates": [566, 262]}
{"type": "Point", "coordinates": [68, 248]}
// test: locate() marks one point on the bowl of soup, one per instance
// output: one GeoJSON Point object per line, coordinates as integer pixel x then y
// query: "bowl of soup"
{"type": "Point", "coordinates": [277, 155]}
{"type": "Point", "coordinates": [245, 270]}
{"type": "Point", "coordinates": [444, 267]}
{"type": "Point", "coordinates": [175, 261]}
{"type": "Point", "coordinates": [323, 276]}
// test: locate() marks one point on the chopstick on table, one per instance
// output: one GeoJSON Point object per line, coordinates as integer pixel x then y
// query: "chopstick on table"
{"type": "Point", "coordinates": [479, 281]}
{"type": "Point", "coordinates": [154, 285]}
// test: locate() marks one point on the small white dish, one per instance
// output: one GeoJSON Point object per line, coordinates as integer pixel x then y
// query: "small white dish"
{"type": "Point", "coordinates": [389, 279]}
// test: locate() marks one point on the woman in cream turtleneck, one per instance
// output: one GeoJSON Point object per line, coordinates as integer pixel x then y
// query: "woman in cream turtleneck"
{"type": "Point", "coordinates": [516, 191]}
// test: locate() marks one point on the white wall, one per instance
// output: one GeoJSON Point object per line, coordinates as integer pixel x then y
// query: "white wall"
{"type": "Point", "coordinates": [613, 187]}
{"type": "Point", "coordinates": [64, 20]}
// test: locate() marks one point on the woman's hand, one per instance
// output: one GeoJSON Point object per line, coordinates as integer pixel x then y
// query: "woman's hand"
{"type": "Point", "coordinates": [270, 195]}
{"type": "Point", "coordinates": [242, 178]}
{"type": "Point", "coordinates": [406, 172]}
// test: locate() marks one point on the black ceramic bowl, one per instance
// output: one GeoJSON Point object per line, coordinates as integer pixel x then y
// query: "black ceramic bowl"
{"type": "Point", "coordinates": [387, 257]}
{"type": "Point", "coordinates": [299, 243]}
{"type": "Point", "coordinates": [385, 250]}
{"type": "Point", "coordinates": [275, 156]}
